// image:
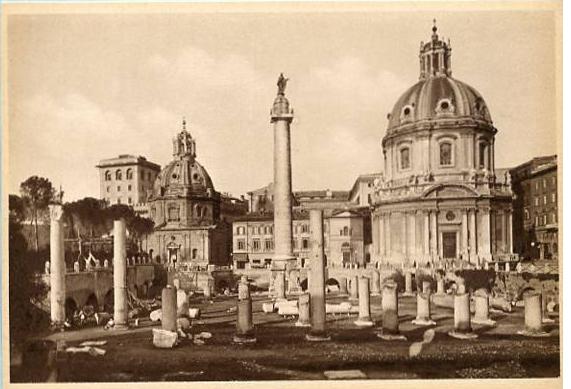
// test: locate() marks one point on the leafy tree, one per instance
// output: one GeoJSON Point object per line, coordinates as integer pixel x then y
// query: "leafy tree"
{"type": "Point", "coordinates": [17, 208]}
{"type": "Point", "coordinates": [87, 216]}
{"type": "Point", "coordinates": [37, 192]}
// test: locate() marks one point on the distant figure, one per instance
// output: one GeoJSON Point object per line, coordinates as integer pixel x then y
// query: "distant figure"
{"type": "Point", "coordinates": [282, 83]}
{"type": "Point", "coordinates": [106, 263]}
{"type": "Point", "coordinates": [47, 267]}
{"type": "Point", "coordinates": [76, 266]}
{"type": "Point", "coordinates": [88, 264]}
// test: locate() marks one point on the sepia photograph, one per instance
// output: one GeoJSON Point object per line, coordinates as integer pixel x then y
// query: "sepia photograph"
{"type": "Point", "coordinates": [270, 193]}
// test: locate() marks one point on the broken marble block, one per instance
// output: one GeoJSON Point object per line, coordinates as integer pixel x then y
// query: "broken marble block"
{"type": "Point", "coordinates": [164, 339]}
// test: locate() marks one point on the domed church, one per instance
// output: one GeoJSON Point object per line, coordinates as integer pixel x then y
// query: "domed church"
{"type": "Point", "coordinates": [440, 197]}
{"type": "Point", "coordinates": [185, 208]}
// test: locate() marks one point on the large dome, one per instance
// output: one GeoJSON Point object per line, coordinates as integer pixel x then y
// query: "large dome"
{"type": "Point", "coordinates": [438, 98]}
{"type": "Point", "coordinates": [183, 176]}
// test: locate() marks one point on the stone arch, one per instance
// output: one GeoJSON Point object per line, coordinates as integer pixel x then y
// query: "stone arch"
{"type": "Point", "coordinates": [70, 307]}
{"type": "Point", "coordinates": [332, 283]}
{"type": "Point", "coordinates": [92, 300]}
{"type": "Point", "coordinates": [108, 301]}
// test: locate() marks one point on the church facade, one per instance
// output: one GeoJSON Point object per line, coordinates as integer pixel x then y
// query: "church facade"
{"type": "Point", "coordinates": [186, 210]}
{"type": "Point", "coordinates": [440, 197]}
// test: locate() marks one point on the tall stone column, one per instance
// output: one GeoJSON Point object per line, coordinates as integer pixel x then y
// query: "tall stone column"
{"type": "Point", "coordinates": [434, 233]}
{"type": "Point", "coordinates": [317, 278]}
{"type": "Point", "coordinates": [375, 234]}
{"type": "Point", "coordinates": [57, 266]}
{"type": "Point", "coordinates": [509, 236]}
{"type": "Point", "coordinates": [494, 244]}
{"type": "Point", "coordinates": [485, 247]}
{"type": "Point", "coordinates": [381, 236]}
{"type": "Point", "coordinates": [465, 250]}
{"type": "Point", "coordinates": [281, 118]}
{"type": "Point", "coordinates": [473, 234]}
{"type": "Point", "coordinates": [388, 249]}
{"type": "Point", "coordinates": [120, 315]}
{"type": "Point", "coordinates": [427, 234]}
{"type": "Point", "coordinates": [412, 236]}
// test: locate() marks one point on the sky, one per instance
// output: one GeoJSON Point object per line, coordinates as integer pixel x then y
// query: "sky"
{"type": "Point", "coordinates": [85, 87]}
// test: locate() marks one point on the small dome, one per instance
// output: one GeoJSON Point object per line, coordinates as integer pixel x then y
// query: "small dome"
{"type": "Point", "coordinates": [437, 98]}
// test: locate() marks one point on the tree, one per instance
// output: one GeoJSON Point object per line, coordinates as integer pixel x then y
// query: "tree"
{"type": "Point", "coordinates": [37, 192]}
{"type": "Point", "coordinates": [86, 216]}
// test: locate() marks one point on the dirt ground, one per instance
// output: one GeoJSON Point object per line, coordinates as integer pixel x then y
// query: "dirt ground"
{"type": "Point", "coordinates": [282, 353]}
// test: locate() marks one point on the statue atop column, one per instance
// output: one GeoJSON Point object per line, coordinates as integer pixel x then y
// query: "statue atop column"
{"type": "Point", "coordinates": [282, 83]}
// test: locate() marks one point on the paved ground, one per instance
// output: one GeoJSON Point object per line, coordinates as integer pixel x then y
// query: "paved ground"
{"type": "Point", "coordinates": [281, 351]}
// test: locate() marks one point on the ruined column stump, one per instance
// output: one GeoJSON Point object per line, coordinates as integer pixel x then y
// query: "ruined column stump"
{"type": "Point", "coordinates": [364, 319]}
{"type": "Point", "coordinates": [482, 305]}
{"type": "Point", "coordinates": [533, 316]}
{"type": "Point", "coordinates": [354, 288]}
{"type": "Point", "coordinates": [462, 325]}
{"type": "Point", "coordinates": [169, 308]}
{"type": "Point", "coordinates": [120, 303]}
{"type": "Point", "coordinates": [375, 283]}
{"type": "Point", "coordinates": [408, 284]}
{"type": "Point", "coordinates": [423, 310]}
{"type": "Point", "coordinates": [244, 324]}
{"type": "Point", "coordinates": [426, 287]}
{"type": "Point", "coordinates": [303, 319]}
{"type": "Point", "coordinates": [390, 323]}
{"type": "Point", "coordinates": [342, 285]}
{"type": "Point", "coordinates": [440, 287]}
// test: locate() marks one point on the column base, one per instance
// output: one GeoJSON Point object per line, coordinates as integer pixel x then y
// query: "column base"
{"type": "Point", "coordinates": [120, 327]}
{"type": "Point", "coordinates": [408, 294]}
{"type": "Point", "coordinates": [390, 336]}
{"type": "Point", "coordinates": [364, 322]}
{"type": "Point", "coordinates": [423, 322]}
{"type": "Point", "coordinates": [547, 320]}
{"type": "Point", "coordinates": [375, 293]}
{"type": "Point", "coordinates": [317, 337]}
{"type": "Point", "coordinates": [485, 322]}
{"type": "Point", "coordinates": [462, 335]}
{"type": "Point", "coordinates": [244, 339]}
{"type": "Point", "coordinates": [540, 333]}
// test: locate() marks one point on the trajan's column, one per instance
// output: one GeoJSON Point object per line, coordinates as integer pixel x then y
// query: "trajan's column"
{"type": "Point", "coordinates": [281, 117]}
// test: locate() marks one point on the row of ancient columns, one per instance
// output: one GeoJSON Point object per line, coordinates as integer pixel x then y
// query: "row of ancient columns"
{"type": "Point", "coordinates": [476, 239]}
{"type": "Point", "coordinates": [58, 270]}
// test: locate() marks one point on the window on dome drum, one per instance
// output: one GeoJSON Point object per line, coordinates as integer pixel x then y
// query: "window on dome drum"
{"type": "Point", "coordinates": [118, 175]}
{"type": "Point", "coordinates": [405, 158]}
{"type": "Point", "coordinates": [482, 155]}
{"type": "Point", "coordinates": [129, 174]}
{"type": "Point", "coordinates": [305, 244]}
{"type": "Point", "coordinates": [107, 175]}
{"type": "Point", "coordinates": [194, 253]}
{"type": "Point", "coordinates": [445, 154]}
{"type": "Point", "coordinates": [173, 214]}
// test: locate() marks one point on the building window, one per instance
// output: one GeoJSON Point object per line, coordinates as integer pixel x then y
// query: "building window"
{"type": "Point", "coordinates": [482, 155]}
{"type": "Point", "coordinates": [241, 244]}
{"type": "Point", "coordinates": [304, 228]}
{"type": "Point", "coordinates": [118, 175]}
{"type": "Point", "coordinates": [445, 154]}
{"type": "Point", "coordinates": [173, 213]}
{"type": "Point", "coordinates": [130, 200]}
{"type": "Point", "coordinates": [305, 244]}
{"type": "Point", "coordinates": [269, 244]}
{"type": "Point", "coordinates": [194, 253]}
{"type": "Point", "coordinates": [129, 174]}
{"type": "Point", "coordinates": [108, 189]}
{"type": "Point", "coordinates": [149, 176]}
{"type": "Point", "coordinates": [345, 231]}
{"type": "Point", "coordinates": [119, 188]}
{"type": "Point", "coordinates": [553, 198]}
{"type": "Point", "coordinates": [107, 175]}
{"type": "Point", "coordinates": [545, 219]}
{"type": "Point", "coordinates": [256, 244]}
{"type": "Point", "coordinates": [118, 200]}
{"type": "Point", "coordinates": [526, 214]}
{"type": "Point", "coordinates": [271, 229]}
{"type": "Point", "coordinates": [129, 187]}
{"type": "Point", "coordinates": [142, 176]}
{"type": "Point", "coordinates": [405, 158]}
{"type": "Point", "coordinates": [544, 199]}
